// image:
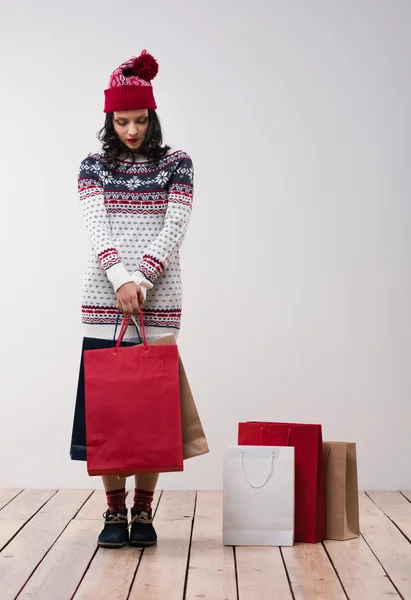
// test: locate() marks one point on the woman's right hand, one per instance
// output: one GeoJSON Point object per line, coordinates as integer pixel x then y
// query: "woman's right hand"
{"type": "Point", "coordinates": [130, 297]}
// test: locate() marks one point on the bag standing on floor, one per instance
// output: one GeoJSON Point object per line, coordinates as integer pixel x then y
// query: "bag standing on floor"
{"type": "Point", "coordinates": [341, 491]}
{"type": "Point", "coordinates": [133, 412]}
{"type": "Point", "coordinates": [258, 496]}
{"type": "Point", "coordinates": [309, 470]}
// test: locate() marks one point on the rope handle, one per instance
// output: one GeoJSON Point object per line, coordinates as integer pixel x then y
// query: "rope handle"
{"type": "Point", "coordinates": [143, 329]}
{"type": "Point", "coordinates": [125, 324]}
{"type": "Point", "coordinates": [257, 487]}
{"type": "Point", "coordinates": [116, 327]}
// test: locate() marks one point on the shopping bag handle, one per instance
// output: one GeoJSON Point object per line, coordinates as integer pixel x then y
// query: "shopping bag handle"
{"type": "Point", "coordinates": [116, 327]}
{"type": "Point", "coordinates": [143, 330]}
{"type": "Point", "coordinates": [257, 487]}
{"type": "Point", "coordinates": [125, 324]}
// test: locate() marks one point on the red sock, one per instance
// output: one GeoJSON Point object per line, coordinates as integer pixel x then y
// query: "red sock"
{"type": "Point", "coordinates": [116, 500]}
{"type": "Point", "coordinates": [142, 500]}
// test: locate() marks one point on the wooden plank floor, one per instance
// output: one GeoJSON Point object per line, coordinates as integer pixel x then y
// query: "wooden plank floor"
{"type": "Point", "coordinates": [48, 552]}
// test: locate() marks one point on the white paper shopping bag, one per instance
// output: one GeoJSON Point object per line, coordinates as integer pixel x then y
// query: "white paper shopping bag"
{"type": "Point", "coordinates": [258, 496]}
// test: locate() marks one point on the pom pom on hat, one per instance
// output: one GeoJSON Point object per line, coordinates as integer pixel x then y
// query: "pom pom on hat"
{"type": "Point", "coordinates": [145, 66]}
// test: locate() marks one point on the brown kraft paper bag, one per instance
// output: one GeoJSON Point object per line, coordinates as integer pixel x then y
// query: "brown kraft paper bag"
{"type": "Point", "coordinates": [194, 439]}
{"type": "Point", "coordinates": [341, 490]}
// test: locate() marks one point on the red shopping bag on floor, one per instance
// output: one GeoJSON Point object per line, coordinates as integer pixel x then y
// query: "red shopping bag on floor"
{"type": "Point", "coordinates": [309, 470]}
{"type": "Point", "coordinates": [133, 413]}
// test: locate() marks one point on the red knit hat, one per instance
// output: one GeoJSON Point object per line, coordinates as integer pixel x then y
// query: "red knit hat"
{"type": "Point", "coordinates": [129, 87]}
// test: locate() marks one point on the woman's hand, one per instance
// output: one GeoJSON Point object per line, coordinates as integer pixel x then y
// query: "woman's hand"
{"type": "Point", "coordinates": [130, 297]}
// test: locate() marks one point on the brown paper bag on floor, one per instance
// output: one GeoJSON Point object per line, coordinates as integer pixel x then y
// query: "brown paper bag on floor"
{"type": "Point", "coordinates": [341, 490]}
{"type": "Point", "coordinates": [194, 439]}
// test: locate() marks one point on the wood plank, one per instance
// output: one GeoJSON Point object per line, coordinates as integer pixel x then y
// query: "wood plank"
{"type": "Point", "coordinates": [387, 543]}
{"type": "Point", "coordinates": [161, 573]}
{"type": "Point", "coordinates": [25, 505]}
{"type": "Point", "coordinates": [6, 496]}
{"type": "Point", "coordinates": [360, 572]}
{"type": "Point", "coordinates": [15, 515]}
{"type": "Point", "coordinates": [19, 559]}
{"type": "Point", "coordinates": [110, 575]}
{"type": "Point", "coordinates": [211, 574]}
{"type": "Point", "coordinates": [59, 574]}
{"type": "Point", "coordinates": [94, 508]}
{"type": "Point", "coordinates": [396, 507]}
{"type": "Point", "coordinates": [8, 530]}
{"type": "Point", "coordinates": [311, 573]}
{"type": "Point", "coordinates": [407, 495]}
{"type": "Point", "coordinates": [111, 572]}
{"type": "Point", "coordinates": [261, 574]}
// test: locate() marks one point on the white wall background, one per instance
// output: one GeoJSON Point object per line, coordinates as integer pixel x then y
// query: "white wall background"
{"type": "Point", "coordinates": [296, 264]}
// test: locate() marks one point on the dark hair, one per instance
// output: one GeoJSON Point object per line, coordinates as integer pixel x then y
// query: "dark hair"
{"type": "Point", "coordinates": [113, 148]}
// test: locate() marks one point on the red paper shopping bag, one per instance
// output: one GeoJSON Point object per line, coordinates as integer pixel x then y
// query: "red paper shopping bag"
{"type": "Point", "coordinates": [133, 413]}
{"type": "Point", "coordinates": [309, 470]}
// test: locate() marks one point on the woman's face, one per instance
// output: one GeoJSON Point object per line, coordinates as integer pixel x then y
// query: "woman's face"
{"type": "Point", "coordinates": [131, 127]}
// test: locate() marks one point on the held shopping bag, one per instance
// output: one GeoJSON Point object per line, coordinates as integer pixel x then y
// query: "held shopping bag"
{"type": "Point", "coordinates": [258, 496]}
{"type": "Point", "coordinates": [133, 416]}
{"type": "Point", "coordinates": [194, 438]}
{"type": "Point", "coordinates": [341, 491]}
{"type": "Point", "coordinates": [309, 470]}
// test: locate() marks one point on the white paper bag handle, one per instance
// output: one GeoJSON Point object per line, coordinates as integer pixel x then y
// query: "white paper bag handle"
{"type": "Point", "coordinates": [257, 487]}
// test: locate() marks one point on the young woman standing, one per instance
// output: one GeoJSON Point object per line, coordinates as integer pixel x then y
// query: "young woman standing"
{"type": "Point", "coordinates": [136, 196]}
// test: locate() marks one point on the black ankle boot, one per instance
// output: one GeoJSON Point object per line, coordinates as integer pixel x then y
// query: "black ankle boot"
{"type": "Point", "coordinates": [115, 532]}
{"type": "Point", "coordinates": [142, 531]}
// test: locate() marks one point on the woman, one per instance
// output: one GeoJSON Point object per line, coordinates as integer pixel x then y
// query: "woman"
{"type": "Point", "coordinates": [136, 197]}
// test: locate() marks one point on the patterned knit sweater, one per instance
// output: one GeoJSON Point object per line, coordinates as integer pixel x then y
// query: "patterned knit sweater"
{"type": "Point", "coordinates": [137, 218]}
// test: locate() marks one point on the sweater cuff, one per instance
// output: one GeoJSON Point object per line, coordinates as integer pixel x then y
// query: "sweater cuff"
{"type": "Point", "coordinates": [142, 280]}
{"type": "Point", "coordinates": [118, 275]}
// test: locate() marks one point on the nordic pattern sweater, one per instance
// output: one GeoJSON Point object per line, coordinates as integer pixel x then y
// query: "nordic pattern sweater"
{"type": "Point", "coordinates": [137, 217]}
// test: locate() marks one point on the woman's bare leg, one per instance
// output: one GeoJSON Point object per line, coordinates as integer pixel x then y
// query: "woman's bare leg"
{"type": "Point", "coordinates": [146, 481]}
{"type": "Point", "coordinates": [112, 482]}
